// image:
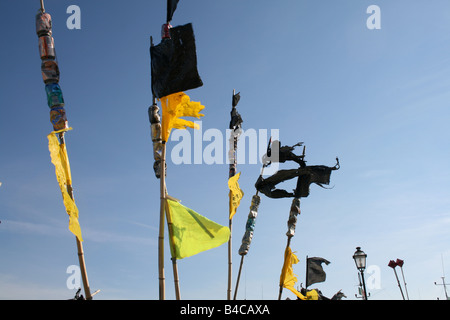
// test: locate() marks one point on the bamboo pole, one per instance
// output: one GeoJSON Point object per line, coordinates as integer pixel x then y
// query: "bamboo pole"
{"type": "Point", "coordinates": [306, 275]}
{"type": "Point", "coordinates": [281, 285]}
{"type": "Point", "coordinates": [292, 222]}
{"type": "Point", "coordinates": [238, 277]}
{"type": "Point", "coordinates": [159, 144]}
{"type": "Point", "coordinates": [243, 254]}
{"type": "Point", "coordinates": [174, 259]}
{"type": "Point", "coordinates": [230, 223]}
{"type": "Point", "coordinates": [232, 172]}
{"type": "Point", "coordinates": [161, 224]}
{"type": "Point", "coordinates": [84, 277]}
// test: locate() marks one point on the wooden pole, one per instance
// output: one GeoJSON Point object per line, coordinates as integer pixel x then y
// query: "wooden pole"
{"type": "Point", "coordinates": [161, 224]}
{"type": "Point", "coordinates": [84, 277]}
{"type": "Point", "coordinates": [232, 172]}
{"type": "Point", "coordinates": [230, 223]}
{"type": "Point", "coordinates": [243, 255]}
{"type": "Point", "coordinates": [238, 277]}
{"type": "Point", "coordinates": [306, 275]}
{"type": "Point", "coordinates": [292, 222]}
{"type": "Point", "coordinates": [174, 259]}
{"type": "Point", "coordinates": [281, 285]}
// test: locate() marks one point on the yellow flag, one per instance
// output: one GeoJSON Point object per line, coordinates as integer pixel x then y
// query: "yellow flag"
{"type": "Point", "coordinates": [178, 105]}
{"type": "Point", "coordinates": [288, 278]}
{"type": "Point", "coordinates": [58, 154]}
{"type": "Point", "coordinates": [192, 232]}
{"type": "Point", "coordinates": [236, 194]}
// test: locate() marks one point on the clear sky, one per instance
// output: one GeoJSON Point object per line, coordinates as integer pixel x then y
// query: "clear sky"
{"type": "Point", "coordinates": [310, 70]}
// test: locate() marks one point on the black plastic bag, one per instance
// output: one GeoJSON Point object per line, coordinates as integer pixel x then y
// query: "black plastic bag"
{"type": "Point", "coordinates": [174, 63]}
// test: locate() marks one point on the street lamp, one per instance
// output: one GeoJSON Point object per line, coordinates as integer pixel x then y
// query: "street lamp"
{"type": "Point", "coordinates": [360, 261]}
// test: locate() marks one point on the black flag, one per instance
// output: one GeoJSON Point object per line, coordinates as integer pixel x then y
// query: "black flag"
{"type": "Point", "coordinates": [174, 63]}
{"type": "Point", "coordinates": [236, 119]}
{"type": "Point", "coordinates": [235, 100]}
{"type": "Point", "coordinates": [171, 7]}
{"type": "Point", "coordinates": [314, 270]}
{"type": "Point", "coordinates": [319, 175]}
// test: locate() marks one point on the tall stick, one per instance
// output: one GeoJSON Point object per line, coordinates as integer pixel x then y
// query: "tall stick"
{"type": "Point", "coordinates": [229, 262]}
{"type": "Point", "coordinates": [84, 277]}
{"type": "Point", "coordinates": [232, 172]}
{"type": "Point", "coordinates": [248, 235]}
{"type": "Point", "coordinates": [281, 285]}
{"type": "Point", "coordinates": [306, 275]}
{"type": "Point", "coordinates": [161, 224]}
{"type": "Point", "coordinates": [159, 154]}
{"type": "Point", "coordinates": [174, 259]}
{"type": "Point", "coordinates": [292, 222]}
{"type": "Point", "coordinates": [401, 291]}
{"type": "Point", "coordinates": [238, 277]}
{"type": "Point", "coordinates": [59, 122]}
{"type": "Point", "coordinates": [404, 282]}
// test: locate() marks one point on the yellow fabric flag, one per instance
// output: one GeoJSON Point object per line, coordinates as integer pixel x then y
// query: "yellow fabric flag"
{"type": "Point", "coordinates": [192, 232]}
{"type": "Point", "coordinates": [288, 278]}
{"type": "Point", "coordinates": [236, 194]}
{"type": "Point", "coordinates": [178, 105]}
{"type": "Point", "coordinates": [60, 159]}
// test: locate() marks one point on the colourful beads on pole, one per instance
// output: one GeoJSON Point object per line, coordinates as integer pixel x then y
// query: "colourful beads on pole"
{"type": "Point", "coordinates": [293, 213]}
{"type": "Point", "coordinates": [250, 226]}
{"type": "Point", "coordinates": [50, 71]}
{"type": "Point", "coordinates": [155, 122]}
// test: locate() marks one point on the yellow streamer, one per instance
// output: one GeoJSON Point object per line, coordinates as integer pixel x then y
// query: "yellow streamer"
{"type": "Point", "coordinates": [60, 159]}
{"type": "Point", "coordinates": [178, 105]}
{"type": "Point", "coordinates": [236, 194]}
{"type": "Point", "coordinates": [288, 278]}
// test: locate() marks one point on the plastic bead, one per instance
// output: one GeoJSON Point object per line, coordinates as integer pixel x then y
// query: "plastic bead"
{"type": "Point", "coordinates": [47, 47]}
{"type": "Point", "coordinates": [58, 118]}
{"type": "Point", "coordinates": [43, 24]}
{"type": "Point", "coordinates": [54, 95]}
{"type": "Point", "coordinates": [50, 71]}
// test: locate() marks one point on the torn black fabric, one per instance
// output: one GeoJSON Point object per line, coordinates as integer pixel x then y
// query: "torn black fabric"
{"type": "Point", "coordinates": [171, 7]}
{"type": "Point", "coordinates": [319, 175]}
{"type": "Point", "coordinates": [236, 119]}
{"type": "Point", "coordinates": [174, 63]}
{"type": "Point", "coordinates": [282, 154]}
{"type": "Point", "coordinates": [315, 272]}
{"type": "Point", "coordinates": [236, 98]}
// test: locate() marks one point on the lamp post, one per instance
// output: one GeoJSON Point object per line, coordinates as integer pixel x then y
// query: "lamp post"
{"type": "Point", "coordinates": [360, 260]}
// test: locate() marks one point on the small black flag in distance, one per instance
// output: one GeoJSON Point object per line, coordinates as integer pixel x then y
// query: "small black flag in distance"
{"type": "Point", "coordinates": [315, 271]}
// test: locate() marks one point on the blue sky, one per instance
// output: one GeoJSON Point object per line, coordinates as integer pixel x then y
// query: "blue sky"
{"type": "Point", "coordinates": [377, 99]}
